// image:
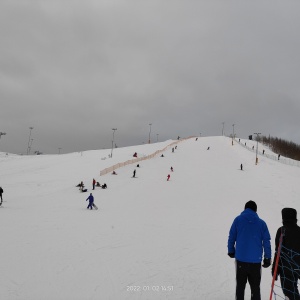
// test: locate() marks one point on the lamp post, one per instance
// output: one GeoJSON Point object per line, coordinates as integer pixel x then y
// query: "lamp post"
{"type": "Point", "coordinates": [257, 134]}
{"type": "Point", "coordinates": [157, 137]}
{"type": "Point", "coordinates": [112, 143]}
{"type": "Point", "coordinates": [29, 149]}
{"type": "Point", "coordinates": [223, 128]}
{"type": "Point", "coordinates": [59, 150]}
{"type": "Point", "coordinates": [150, 133]}
{"type": "Point", "coordinates": [2, 133]}
{"type": "Point", "coordinates": [28, 146]}
{"type": "Point", "coordinates": [232, 133]}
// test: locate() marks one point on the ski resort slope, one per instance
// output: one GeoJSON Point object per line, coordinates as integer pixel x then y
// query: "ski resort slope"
{"type": "Point", "coordinates": [150, 238]}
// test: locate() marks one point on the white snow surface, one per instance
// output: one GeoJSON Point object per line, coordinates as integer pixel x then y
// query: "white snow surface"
{"type": "Point", "coordinates": [150, 238]}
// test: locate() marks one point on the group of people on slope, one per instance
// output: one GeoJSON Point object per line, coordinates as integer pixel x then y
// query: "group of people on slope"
{"type": "Point", "coordinates": [94, 184]}
{"type": "Point", "coordinates": [249, 241]}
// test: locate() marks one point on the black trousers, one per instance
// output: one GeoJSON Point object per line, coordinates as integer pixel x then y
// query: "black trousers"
{"type": "Point", "coordinates": [250, 272]}
{"type": "Point", "coordinates": [289, 282]}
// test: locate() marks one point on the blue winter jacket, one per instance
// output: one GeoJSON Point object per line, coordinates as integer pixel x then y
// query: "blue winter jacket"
{"type": "Point", "coordinates": [249, 237]}
{"type": "Point", "coordinates": [90, 198]}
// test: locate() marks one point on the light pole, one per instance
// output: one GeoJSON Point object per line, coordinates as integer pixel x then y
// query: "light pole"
{"type": "Point", "coordinates": [59, 150]}
{"type": "Point", "coordinates": [30, 128]}
{"type": "Point", "coordinates": [150, 133]}
{"type": "Point", "coordinates": [232, 133]}
{"type": "Point", "coordinates": [257, 134]}
{"type": "Point", "coordinates": [2, 133]}
{"type": "Point", "coordinates": [223, 128]}
{"type": "Point", "coordinates": [157, 137]}
{"type": "Point", "coordinates": [112, 143]}
{"type": "Point", "coordinates": [31, 141]}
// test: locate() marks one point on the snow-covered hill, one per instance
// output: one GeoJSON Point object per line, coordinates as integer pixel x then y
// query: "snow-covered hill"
{"type": "Point", "coordinates": [151, 238]}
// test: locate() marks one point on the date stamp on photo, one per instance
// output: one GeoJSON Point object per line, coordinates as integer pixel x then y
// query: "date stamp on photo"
{"type": "Point", "coordinates": [146, 288]}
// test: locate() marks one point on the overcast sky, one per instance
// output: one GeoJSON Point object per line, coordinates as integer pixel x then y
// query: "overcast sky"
{"type": "Point", "coordinates": [74, 70]}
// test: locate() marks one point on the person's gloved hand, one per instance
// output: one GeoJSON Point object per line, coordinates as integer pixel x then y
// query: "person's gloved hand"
{"type": "Point", "coordinates": [232, 255]}
{"type": "Point", "coordinates": [267, 263]}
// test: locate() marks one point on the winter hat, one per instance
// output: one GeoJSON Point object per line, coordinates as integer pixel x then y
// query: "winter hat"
{"type": "Point", "coordinates": [252, 205]}
{"type": "Point", "coordinates": [289, 214]}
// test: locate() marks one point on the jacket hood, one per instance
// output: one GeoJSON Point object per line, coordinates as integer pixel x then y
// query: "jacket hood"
{"type": "Point", "coordinates": [250, 215]}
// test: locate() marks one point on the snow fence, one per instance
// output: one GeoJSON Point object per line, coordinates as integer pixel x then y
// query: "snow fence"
{"type": "Point", "coordinates": [138, 159]}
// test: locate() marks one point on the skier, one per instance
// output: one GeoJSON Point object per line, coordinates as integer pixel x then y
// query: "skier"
{"type": "Point", "coordinates": [168, 177]}
{"type": "Point", "coordinates": [134, 173]}
{"type": "Point", "coordinates": [172, 169]}
{"type": "Point", "coordinates": [241, 167]}
{"type": "Point", "coordinates": [91, 201]}
{"type": "Point", "coordinates": [1, 192]}
{"type": "Point", "coordinates": [94, 182]}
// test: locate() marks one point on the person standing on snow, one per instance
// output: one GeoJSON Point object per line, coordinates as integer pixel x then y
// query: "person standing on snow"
{"type": "Point", "coordinates": [289, 260]}
{"type": "Point", "coordinates": [248, 240]}
{"type": "Point", "coordinates": [1, 192]}
{"type": "Point", "coordinates": [94, 183]}
{"type": "Point", "coordinates": [168, 177]}
{"type": "Point", "coordinates": [91, 201]}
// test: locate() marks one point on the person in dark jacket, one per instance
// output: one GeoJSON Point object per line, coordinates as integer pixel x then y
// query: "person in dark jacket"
{"type": "Point", "coordinates": [91, 201]}
{"type": "Point", "coordinates": [289, 259]}
{"type": "Point", "coordinates": [248, 240]}
{"type": "Point", "coordinates": [1, 192]}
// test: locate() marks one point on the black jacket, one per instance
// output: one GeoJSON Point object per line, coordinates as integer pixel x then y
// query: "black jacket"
{"type": "Point", "coordinates": [290, 242]}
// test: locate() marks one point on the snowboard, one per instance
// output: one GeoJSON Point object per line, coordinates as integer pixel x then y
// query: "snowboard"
{"type": "Point", "coordinates": [94, 205]}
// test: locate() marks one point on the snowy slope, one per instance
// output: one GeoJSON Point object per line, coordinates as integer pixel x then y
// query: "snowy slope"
{"type": "Point", "coordinates": [151, 238]}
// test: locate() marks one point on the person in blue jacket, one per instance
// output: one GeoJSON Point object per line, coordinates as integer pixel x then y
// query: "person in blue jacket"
{"type": "Point", "coordinates": [248, 241]}
{"type": "Point", "coordinates": [91, 201]}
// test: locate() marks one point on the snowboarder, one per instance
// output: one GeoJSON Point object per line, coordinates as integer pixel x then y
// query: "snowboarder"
{"type": "Point", "coordinates": [135, 154]}
{"type": "Point", "coordinates": [172, 169]}
{"type": "Point", "coordinates": [1, 192]}
{"type": "Point", "coordinates": [114, 173]}
{"type": "Point", "coordinates": [278, 156]}
{"type": "Point", "coordinates": [168, 177]}
{"type": "Point", "coordinates": [208, 148]}
{"type": "Point", "coordinates": [91, 201]}
{"type": "Point", "coordinates": [104, 186]}
{"type": "Point", "coordinates": [241, 167]}
{"type": "Point", "coordinates": [94, 182]}
{"type": "Point", "coordinates": [134, 173]}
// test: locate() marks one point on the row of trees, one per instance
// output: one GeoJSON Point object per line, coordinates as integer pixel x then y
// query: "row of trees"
{"type": "Point", "coordinates": [280, 146]}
